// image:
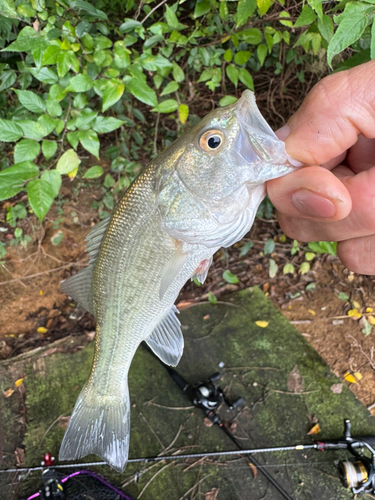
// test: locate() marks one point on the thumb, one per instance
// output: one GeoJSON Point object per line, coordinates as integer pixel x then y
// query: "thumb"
{"type": "Point", "coordinates": [337, 109]}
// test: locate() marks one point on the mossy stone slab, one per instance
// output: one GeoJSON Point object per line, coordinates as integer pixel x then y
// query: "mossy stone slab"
{"type": "Point", "coordinates": [257, 366]}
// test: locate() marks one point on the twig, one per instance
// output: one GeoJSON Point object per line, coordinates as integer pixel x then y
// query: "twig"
{"type": "Point", "coordinates": [177, 408]}
{"type": "Point", "coordinates": [369, 358]}
{"type": "Point", "coordinates": [152, 430]}
{"type": "Point", "coordinates": [156, 134]}
{"type": "Point", "coordinates": [292, 393]}
{"type": "Point", "coordinates": [195, 485]}
{"type": "Point", "coordinates": [173, 441]}
{"type": "Point", "coordinates": [50, 427]}
{"type": "Point", "coordinates": [153, 10]}
{"type": "Point", "coordinates": [42, 272]}
{"type": "Point", "coordinates": [153, 477]}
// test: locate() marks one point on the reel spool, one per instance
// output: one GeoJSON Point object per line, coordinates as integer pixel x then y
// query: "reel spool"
{"type": "Point", "coordinates": [353, 473]}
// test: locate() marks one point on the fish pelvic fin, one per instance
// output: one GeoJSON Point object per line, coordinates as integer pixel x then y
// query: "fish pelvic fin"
{"type": "Point", "coordinates": [98, 425]}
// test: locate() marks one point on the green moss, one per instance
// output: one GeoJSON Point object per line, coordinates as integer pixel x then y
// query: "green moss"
{"type": "Point", "coordinates": [273, 416]}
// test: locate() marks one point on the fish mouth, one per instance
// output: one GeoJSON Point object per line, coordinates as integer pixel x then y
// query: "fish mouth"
{"type": "Point", "coordinates": [272, 158]}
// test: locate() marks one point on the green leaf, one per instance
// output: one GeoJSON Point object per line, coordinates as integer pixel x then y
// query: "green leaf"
{"type": "Point", "coordinates": [263, 6]}
{"type": "Point", "coordinates": [139, 89]}
{"type": "Point", "coordinates": [49, 149]}
{"type": "Point", "coordinates": [273, 268]}
{"type": "Point", "coordinates": [183, 113]}
{"type": "Point", "coordinates": [109, 181]}
{"type": "Point", "coordinates": [309, 256]}
{"type": "Point", "coordinates": [86, 119]}
{"type": "Point", "coordinates": [40, 197]}
{"type": "Point", "coordinates": [212, 298]}
{"type": "Point", "coordinates": [26, 150]}
{"type": "Point", "coordinates": [317, 6]}
{"type": "Point", "coordinates": [45, 75]}
{"type": "Point", "coordinates": [47, 123]}
{"type": "Point", "coordinates": [202, 8]}
{"type": "Point", "coordinates": [50, 55]}
{"type": "Point", "coordinates": [310, 286]}
{"type": "Point", "coordinates": [7, 79]}
{"type": "Point", "coordinates": [32, 130]}
{"type": "Point", "coordinates": [80, 83]}
{"type": "Point", "coordinates": [246, 247]}
{"type": "Point", "coordinates": [112, 93]}
{"type": "Point", "coordinates": [228, 56]}
{"type": "Point", "coordinates": [304, 268]}
{"type": "Point", "coordinates": [90, 141]}
{"type": "Point", "coordinates": [53, 107]}
{"type": "Point", "coordinates": [31, 101]}
{"type": "Point", "coordinates": [242, 57]}
{"type": "Point", "coordinates": [69, 161]}
{"type": "Point", "coordinates": [129, 25]}
{"type": "Point", "coordinates": [306, 17]}
{"type": "Point", "coordinates": [262, 53]}
{"type": "Point", "coordinates": [372, 53]}
{"type": "Point", "coordinates": [167, 106]}
{"type": "Point", "coordinates": [251, 35]}
{"type": "Point", "coordinates": [53, 178]}
{"type": "Point", "coordinates": [343, 296]}
{"type": "Point", "coordinates": [228, 99]}
{"type": "Point", "coordinates": [325, 28]}
{"type": "Point", "coordinates": [102, 42]}
{"type": "Point", "coordinates": [28, 38]}
{"type": "Point", "coordinates": [269, 246]}
{"type": "Point", "coordinates": [367, 326]}
{"type": "Point", "coordinates": [89, 8]}
{"type": "Point", "coordinates": [323, 247]}
{"type": "Point", "coordinates": [9, 131]}
{"type": "Point", "coordinates": [177, 73]}
{"type": "Point", "coordinates": [7, 9]}
{"type": "Point", "coordinates": [66, 60]}
{"type": "Point", "coordinates": [12, 179]}
{"type": "Point", "coordinates": [104, 124]}
{"type": "Point", "coordinates": [73, 139]}
{"type": "Point", "coordinates": [232, 73]}
{"type": "Point", "coordinates": [172, 19]}
{"type": "Point", "coordinates": [57, 92]}
{"type": "Point", "coordinates": [171, 87]}
{"type": "Point", "coordinates": [245, 9]}
{"type": "Point", "coordinates": [352, 23]}
{"type": "Point", "coordinates": [284, 14]}
{"type": "Point", "coordinates": [246, 78]}
{"type": "Point", "coordinates": [230, 277]}
{"type": "Point", "coordinates": [121, 55]}
{"type": "Point", "coordinates": [288, 268]}
{"type": "Point", "coordinates": [93, 172]}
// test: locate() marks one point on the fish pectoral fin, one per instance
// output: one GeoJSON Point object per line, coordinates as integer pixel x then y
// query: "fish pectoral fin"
{"type": "Point", "coordinates": [202, 270]}
{"type": "Point", "coordinates": [166, 340]}
{"type": "Point", "coordinates": [171, 270]}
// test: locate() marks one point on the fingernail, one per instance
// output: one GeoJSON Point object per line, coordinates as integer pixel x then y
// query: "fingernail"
{"type": "Point", "coordinates": [312, 204]}
{"type": "Point", "coordinates": [283, 132]}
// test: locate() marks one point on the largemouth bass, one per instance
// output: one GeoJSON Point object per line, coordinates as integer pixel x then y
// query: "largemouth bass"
{"type": "Point", "coordinates": [200, 194]}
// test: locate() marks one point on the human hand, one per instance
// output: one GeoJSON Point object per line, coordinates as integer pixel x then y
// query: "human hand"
{"type": "Point", "coordinates": [333, 199]}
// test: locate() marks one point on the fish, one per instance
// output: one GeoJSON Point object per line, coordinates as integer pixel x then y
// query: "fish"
{"type": "Point", "coordinates": [200, 194]}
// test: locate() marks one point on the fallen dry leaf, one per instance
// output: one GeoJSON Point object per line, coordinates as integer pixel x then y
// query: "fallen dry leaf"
{"type": "Point", "coordinates": [353, 313]}
{"type": "Point", "coordinates": [312, 312]}
{"type": "Point", "coordinates": [211, 495]}
{"type": "Point", "coordinates": [20, 456]}
{"type": "Point", "coordinates": [262, 324]}
{"type": "Point", "coordinates": [295, 381]}
{"type": "Point", "coordinates": [63, 422]}
{"type": "Point", "coordinates": [356, 304]}
{"type": "Point", "coordinates": [8, 393]}
{"type": "Point", "coordinates": [184, 304]}
{"type": "Point", "coordinates": [371, 319]}
{"type": "Point", "coordinates": [254, 470]}
{"type": "Point", "coordinates": [206, 317]}
{"type": "Point", "coordinates": [336, 388]}
{"type": "Point", "coordinates": [42, 330]}
{"type": "Point", "coordinates": [207, 422]}
{"type": "Point", "coordinates": [18, 382]}
{"type": "Point", "coordinates": [314, 430]}
{"type": "Point", "coordinates": [353, 378]}
{"type": "Point", "coordinates": [369, 309]}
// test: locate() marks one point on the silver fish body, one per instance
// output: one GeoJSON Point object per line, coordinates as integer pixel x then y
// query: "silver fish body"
{"type": "Point", "coordinates": [190, 201]}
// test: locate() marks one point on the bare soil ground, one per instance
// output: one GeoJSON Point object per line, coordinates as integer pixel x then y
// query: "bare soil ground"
{"type": "Point", "coordinates": [35, 312]}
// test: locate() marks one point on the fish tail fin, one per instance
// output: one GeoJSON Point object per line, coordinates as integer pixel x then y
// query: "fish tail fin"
{"type": "Point", "coordinates": [99, 425]}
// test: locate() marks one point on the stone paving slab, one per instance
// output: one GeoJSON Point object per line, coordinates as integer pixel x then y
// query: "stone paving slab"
{"type": "Point", "coordinates": [257, 365]}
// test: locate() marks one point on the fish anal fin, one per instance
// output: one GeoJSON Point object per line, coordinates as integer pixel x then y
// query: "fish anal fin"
{"type": "Point", "coordinates": [171, 269]}
{"type": "Point", "coordinates": [202, 270]}
{"type": "Point", "coordinates": [167, 341]}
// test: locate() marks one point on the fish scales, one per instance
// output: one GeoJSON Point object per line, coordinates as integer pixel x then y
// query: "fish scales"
{"type": "Point", "coordinates": [198, 195]}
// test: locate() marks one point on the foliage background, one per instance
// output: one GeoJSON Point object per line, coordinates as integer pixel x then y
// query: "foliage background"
{"type": "Point", "coordinates": [81, 82]}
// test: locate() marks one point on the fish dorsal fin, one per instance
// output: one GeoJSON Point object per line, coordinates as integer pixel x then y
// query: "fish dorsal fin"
{"type": "Point", "coordinates": [171, 269]}
{"type": "Point", "coordinates": [79, 286]}
{"type": "Point", "coordinates": [166, 340]}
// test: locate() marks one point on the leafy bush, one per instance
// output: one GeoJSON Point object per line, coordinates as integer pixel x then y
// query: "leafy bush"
{"type": "Point", "coordinates": [72, 71]}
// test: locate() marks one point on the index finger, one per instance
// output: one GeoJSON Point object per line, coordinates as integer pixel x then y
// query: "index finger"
{"type": "Point", "coordinates": [335, 112]}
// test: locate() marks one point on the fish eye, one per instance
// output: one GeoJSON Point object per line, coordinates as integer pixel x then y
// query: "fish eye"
{"type": "Point", "coordinates": [211, 140]}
